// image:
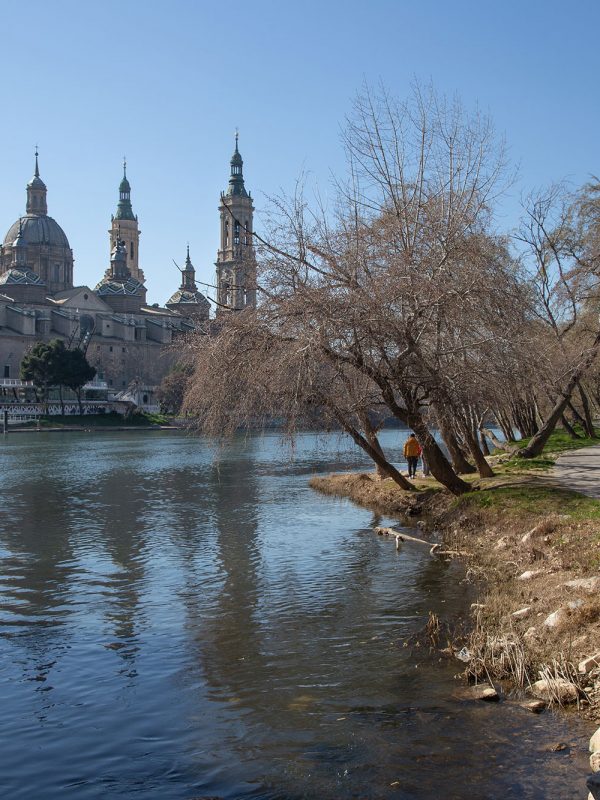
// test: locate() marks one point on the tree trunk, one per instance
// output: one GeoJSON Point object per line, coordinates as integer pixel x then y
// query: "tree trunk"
{"type": "Point", "coordinates": [371, 436]}
{"type": "Point", "coordinates": [568, 427]}
{"type": "Point", "coordinates": [485, 471]}
{"type": "Point", "coordinates": [505, 427]}
{"type": "Point", "coordinates": [577, 418]}
{"type": "Point", "coordinates": [537, 443]}
{"type": "Point", "coordinates": [360, 440]}
{"type": "Point", "coordinates": [439, 465]}
{"type": "Point", "coordinates": [459, 463]}
{"type": "Point", "coordinates": [60, 397]}
{"type": "Point", "coordinates": [484, 445]}
{"type": "Point", "coordinates": [589, 423]}
{"type": "Point", "coordinates": [78, 393]}
{"type": "Point", "coordinates": [506, 446]}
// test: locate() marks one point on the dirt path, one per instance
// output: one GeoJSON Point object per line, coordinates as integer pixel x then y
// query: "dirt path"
{"type": "Point", "coordinates": [579, 470]}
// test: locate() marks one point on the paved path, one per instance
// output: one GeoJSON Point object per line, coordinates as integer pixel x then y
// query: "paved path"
{"type": "Point", "coordinates": [579, 470]}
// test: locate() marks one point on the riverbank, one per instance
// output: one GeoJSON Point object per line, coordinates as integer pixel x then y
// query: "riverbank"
{"type": "Point", "coordinates": [96, 422]}
{"type": "Point", "coordinates": [533, 550]}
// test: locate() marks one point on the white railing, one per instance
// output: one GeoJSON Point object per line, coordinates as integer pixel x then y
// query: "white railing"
{"type": "Point", "coordinates": [15, 383]}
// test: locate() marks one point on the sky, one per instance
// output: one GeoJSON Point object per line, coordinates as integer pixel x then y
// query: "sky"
{"type": "Point", "coordinates": [166, 84]}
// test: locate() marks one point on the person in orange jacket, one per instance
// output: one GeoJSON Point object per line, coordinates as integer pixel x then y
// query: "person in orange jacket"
{"type": "Point", "coordinates": [412, 451]}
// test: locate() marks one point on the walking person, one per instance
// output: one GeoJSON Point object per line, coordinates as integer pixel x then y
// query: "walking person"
{"type": "Point", "coordinates": [412, 451]}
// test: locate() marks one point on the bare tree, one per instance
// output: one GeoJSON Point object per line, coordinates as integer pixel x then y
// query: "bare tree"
{"type": "Point", "coordinates": [560, 234]}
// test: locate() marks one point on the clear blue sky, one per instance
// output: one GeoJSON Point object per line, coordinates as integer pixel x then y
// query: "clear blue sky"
{"type": "Point", "coordinates": [166, 83]}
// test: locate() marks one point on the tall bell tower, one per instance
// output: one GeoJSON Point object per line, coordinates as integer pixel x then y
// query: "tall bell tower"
{"type": "Point", "coordinates": [124, 228]}
{"type": "Point", "coordinates": [236, 259]}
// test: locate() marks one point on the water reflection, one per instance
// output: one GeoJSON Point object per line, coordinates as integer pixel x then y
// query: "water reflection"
{"type": "Point", "coordinates": [177, 621]}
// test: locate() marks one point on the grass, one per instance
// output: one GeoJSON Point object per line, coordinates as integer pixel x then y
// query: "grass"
{"type": "Point", "coordinates": [535, 500]}
{"type": "Point", "coordinates": [97, 421]}
{"type": "Point", "coordinates": [560, 441]}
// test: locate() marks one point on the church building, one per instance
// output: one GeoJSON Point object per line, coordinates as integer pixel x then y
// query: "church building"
{"type": "Point", "coordinates": [128, 341]}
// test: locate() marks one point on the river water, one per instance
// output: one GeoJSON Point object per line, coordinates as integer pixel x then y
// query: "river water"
{"type": "Point", "coordinates": [179, 621]}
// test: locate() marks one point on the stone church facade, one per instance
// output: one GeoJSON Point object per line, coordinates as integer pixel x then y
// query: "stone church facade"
{"type": "Point", "coordinates": [128, 341]}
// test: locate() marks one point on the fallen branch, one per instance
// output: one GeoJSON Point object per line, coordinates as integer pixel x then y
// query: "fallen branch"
{"type": "Point", "coordinates": [403, 537]}
{"type": "Point", "coordinates": [457, 553]}
{"type": "Point", "coordinates": [434, 551]}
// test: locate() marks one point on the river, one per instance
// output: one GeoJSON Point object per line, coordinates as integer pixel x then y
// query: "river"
{"type": "Point", "coordinates": [182, 621]}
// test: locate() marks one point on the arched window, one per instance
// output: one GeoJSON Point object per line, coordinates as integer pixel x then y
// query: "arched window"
{"type": "Point", "coordinates": [86, 324]}
{"type": "Point", "coordinates": [236, 232]}
{"type": "Point", "coordinates": [131, 251]}
{"type": "Point", "coordinates": [226, 237]}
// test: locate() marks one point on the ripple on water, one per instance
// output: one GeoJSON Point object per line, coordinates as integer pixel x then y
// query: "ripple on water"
{"type": "Point", "coordinates": [179, 621]}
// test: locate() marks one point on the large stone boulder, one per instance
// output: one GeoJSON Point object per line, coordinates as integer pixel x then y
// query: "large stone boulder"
{"type": "Point", "coordinates": [585, 584]}
{"type": "Point", "coordinates": [595, 742]}
{"type": "Point", "coordinates": [557, 690]}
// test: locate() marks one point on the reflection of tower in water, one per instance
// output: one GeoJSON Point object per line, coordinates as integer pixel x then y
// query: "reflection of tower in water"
{"type": "Point", "coordinates": [124, 538]}
{"type": "Point", "coordinates": [228, 632]}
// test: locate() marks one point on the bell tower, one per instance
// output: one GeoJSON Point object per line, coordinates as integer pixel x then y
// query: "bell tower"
{"type": "Point", "coordinates": [236, 260]}
{"type": "Point", "coordinates": [124, 228]}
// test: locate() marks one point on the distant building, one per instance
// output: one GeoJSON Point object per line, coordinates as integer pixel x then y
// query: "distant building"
{"type": "Point", "coordinates": [236, 260]}
{"type": "Point", "coordinates": [129, 342]}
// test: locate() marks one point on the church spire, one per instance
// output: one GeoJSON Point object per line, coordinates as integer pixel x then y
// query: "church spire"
{"type": "Point", "coordinates": [236, 178]}
{"type": "Point", "coordinates": [124, 209]}
{"type": "Point", "coordinates": [188, 274]}
{"type": "Point", "coordinates": [36, 192]}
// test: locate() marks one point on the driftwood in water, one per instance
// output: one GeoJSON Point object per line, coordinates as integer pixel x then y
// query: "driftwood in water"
{"type": "Point", "coordinates": [401, 536]}
{"type": "Point", "coordinates": [405, 537]}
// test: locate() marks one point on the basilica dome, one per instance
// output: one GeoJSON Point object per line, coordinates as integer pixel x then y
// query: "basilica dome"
{"type": "Point", "coordinates": [37, 230]}
{"type": "Point", "coordinates": [37, 242]}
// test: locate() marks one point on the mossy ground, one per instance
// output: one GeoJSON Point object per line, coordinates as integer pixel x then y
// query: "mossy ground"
{"type": "Point", "coordinates": [140, 419]}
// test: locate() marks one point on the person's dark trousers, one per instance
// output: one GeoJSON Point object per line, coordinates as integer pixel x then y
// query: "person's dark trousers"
{"type": "Point", "coordinates": [412, 465]}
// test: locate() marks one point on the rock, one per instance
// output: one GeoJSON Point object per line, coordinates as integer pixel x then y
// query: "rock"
{"type": "Point", "coordinates": [595, 742]}
{"type": "Point", "coordinates": [501, 543]}
{"type": "Point", "coordinates": [521, 613]}
{"type": "Point", "coordinates": [587, 584]}
{"type": "Point", "coordinates": [535, 706]}
{"type": "Point", "coordinates": [573, 604]}
{"type": "Point", "coordinates": [554, 619]}
{"type": "Point", "coordinates": [483, 691]}
{"type": "Point", "coordinates": [559, 689]}
{"type": "Point", "coordinates": [421, 525]}
{"type": "Point", "coordinates": [529, 574]}
{"type": "Point", "coordinates": [530, 633]}
{"type": "Point", "coordinates": [529, 535]}
{"type": "Point", "coordinates": [595, 762]}
{"type": "Point", "coordinates": [588, 664]}
{"type": "Point", "coordinates": [476, 606]}
{"type": "Point", "coordinates": [556, 748]}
